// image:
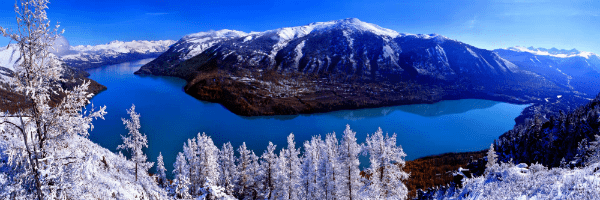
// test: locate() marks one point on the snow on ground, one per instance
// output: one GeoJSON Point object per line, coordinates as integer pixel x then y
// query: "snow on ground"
{"type": "Point", "coordinates": [97, 172]}
{"type": "Point", "coordinates": [529, 182]}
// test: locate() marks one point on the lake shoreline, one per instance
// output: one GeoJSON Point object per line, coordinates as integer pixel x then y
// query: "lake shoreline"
{"type": "Point", "coordinates": [170, 116]}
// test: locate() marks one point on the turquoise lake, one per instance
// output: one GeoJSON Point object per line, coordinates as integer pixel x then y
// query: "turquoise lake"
{"type": "Point", "coordinates": [169, 117]}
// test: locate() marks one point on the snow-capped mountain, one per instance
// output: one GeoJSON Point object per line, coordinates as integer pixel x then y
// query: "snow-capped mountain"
{"type": "Point", "coordinates": [570, 69]}
{"type": "Point", "coordinates": [325, 66]}
{"type": "Point", "coordinates": [553, 52]}
{"type": "Point", "coordinates": [362, 49]}
{"type": "Point", "coordinates": [9, 56]}
{"type": "Point", "coordinates": [84, 57]}
{"type": "Point", "coordinates": [193, 44]}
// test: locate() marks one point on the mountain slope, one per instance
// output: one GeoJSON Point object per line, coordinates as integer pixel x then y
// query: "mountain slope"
{"type": "Point", "coordinates": [10, 58]}
{"type": "Point", "coordinates": [569, 69]}
{"type": "Point", "coordinates": [85, 57]}
{"type": "Point", "coordinates": [91, 172]}
{"type": "Point", "coordinates": [188, 47]}
{"type": "Point", "coordinates": [346, 64]}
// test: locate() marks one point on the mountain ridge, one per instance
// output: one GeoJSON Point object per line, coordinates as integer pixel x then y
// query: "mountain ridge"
{"type": "Point", "coordinates": [86, 57]}
{"type": "Point", "coordinates": [345, 64]}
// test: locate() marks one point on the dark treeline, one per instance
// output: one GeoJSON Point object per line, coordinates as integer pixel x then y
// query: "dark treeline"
{"type": "Point", "coordinates": [562, 139]}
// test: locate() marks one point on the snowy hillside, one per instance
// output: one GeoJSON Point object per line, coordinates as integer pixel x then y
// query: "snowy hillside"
{"type": "Point", "coordinates": [92, 172]}
{"type": "Point", "coordinates": [114, 52]}
{"type": "Point", "coordinates": [194, 44]}
{"type": "Point", "coordinates": [8, 58]}
{"type": "Point", "coordinates": [9, 55]}
{"type": "Point", "coordinates": [521, 181]}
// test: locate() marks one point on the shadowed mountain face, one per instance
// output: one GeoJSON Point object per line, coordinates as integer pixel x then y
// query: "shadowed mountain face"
{"type": "Point", "coordinates": [345, 64]}
{"type": "Point", "coordinates": [568, 69]}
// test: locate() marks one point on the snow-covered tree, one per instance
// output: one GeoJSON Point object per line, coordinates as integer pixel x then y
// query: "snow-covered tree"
{"type": "Point", "coordinates": [310, 169]}
{"type": "Point", "coordinates": [202, 157]}
{"type": "Point", "coordinates": [42, 125]}
{"type": "Point", "coordinates": [209, 159]}
{"type": "Point", "coordinates": [386, 175]}
{"type": "Point", "coordinates": [349, 182]}
{"type": "Point", "coordinates": [591, 154]}
{"type": "Point", "coordinates": [492, 158]}
{"type": "Point", "coordinates": [135, 141]}
{"type": "Point", "coordinates": [290, 169]}
{"type": "Point", "coordinates": [248, 171]}
{"type": "Point", "coordinates": [161, 171]}
{"type": "Point", "coordinates": [270, 171]}
{"type": "Point", "coordinates": [329, 167]}
{"type": "Point", "coordinates": [190, 150]}
{"type": "Point", "coordinates": [227, 170]}
{"type": "Point", "coordinates": [181, 181]}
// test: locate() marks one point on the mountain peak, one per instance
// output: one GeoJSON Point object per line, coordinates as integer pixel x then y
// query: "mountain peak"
{"type": "Point", "coordinates": [554, 52]}
{"type": "Point", "coordinates": [352, 24]}
{"type": "Point", "coordinates": [224, 33]}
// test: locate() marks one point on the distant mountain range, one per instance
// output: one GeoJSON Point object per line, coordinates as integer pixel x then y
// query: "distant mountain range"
{"type": "Point", "coordinates": [348, 64]}
{"type": "Point", "coordinates": [10, 57]}
{"type": "Point", "coordinates": [85, 57]}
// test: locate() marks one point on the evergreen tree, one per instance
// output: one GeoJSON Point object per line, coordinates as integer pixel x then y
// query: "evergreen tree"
{"type": "Point", "coordinates": [386, 175]}
{"type": "Point", "coordinates": [310, 172]}
{"type": "Point", "coordinates": [329, 167]}
{"type": "Point", "coordinates": [161, 171]}
{"type": "Point", "coordinates": [290, 169]}
{"type": "Point", "coordinates": [135, 141]}
{"type": "Point", "coordinates": [182, 181]}
{"type": "Point", "coordinates": [591, 154]}
{"type": "Point", "coordinates": [349, 182]}
{"type": "Point", "coordinates": [247, 172]}
{"type": "Point", "coordinates": [208, 157]}
{"type": "Point", "coordinates": [269, 170]}
{"type": "Point", "coordinates": [227, 170]}
{"type": "Point", "coordinates": [190, 150]}
{"type": "Point", "coordinates": [492, 158]}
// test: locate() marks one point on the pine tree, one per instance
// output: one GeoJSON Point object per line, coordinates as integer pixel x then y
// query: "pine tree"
{"type": "Point", "coordinates": [349, 182]}
{"type": "Point", "coordinates": [491, 159]}
{"type": "Point", "coordinates": [135, 141]}
{"type": "Point", "coordinates": [208, 157]}
{"type": "Point", "coordinates": [246, 168]}
{"type": "Point", "coordinates": [310, 173]}
{"type": "Point", "coordinates": [329, 167]}
{"type": "Point", "coordinates": [290, 169]}
{"type": "Point", "coordinates": [227, 170]}
{"type": "Point", "coordinates": [386, 175]}
{"type": "Point", "coordinates": [161, 171]}
{"type": "Point", "coordinates": [182, 181]}
{"type": "Point", "coordinates": [591, 153]}
{"type": "Point", "coordinates": [269, 170]}
{"type": "Point", "coordinates": [37, 77]}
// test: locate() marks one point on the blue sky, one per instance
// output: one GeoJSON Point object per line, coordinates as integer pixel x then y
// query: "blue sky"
{"type": "Point", "coordinates": [484, 24]}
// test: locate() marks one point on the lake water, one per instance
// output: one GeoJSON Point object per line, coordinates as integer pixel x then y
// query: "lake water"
{"type": "Point", "coordinates": [169, 117]}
